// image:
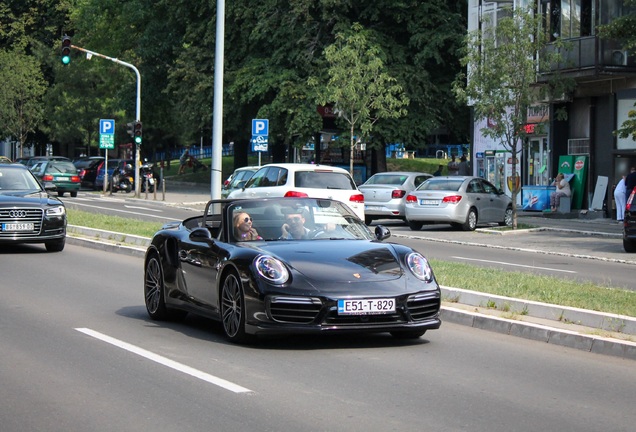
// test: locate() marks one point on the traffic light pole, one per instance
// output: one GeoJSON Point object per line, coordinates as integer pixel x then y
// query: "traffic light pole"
{"type": "Point", "coordinates": [137, 114]}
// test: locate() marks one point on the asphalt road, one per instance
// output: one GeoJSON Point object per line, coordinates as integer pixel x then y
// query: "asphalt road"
{"type": "Point", "coordinates": [78, 353]}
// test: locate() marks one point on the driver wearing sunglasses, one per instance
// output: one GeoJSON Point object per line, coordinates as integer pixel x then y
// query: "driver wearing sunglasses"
{"type": "Point", "coordinates": [294, 227]}
{"type": "Point", "coordinates": [243, 230]}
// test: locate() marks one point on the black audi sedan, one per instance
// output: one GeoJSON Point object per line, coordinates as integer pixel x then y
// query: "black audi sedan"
{"type": "Point", "coordinates": [289, 265]}
{"type": "Point", "coordinates": [27, 213]}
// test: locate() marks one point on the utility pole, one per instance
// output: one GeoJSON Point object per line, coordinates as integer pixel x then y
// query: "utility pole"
{"type": "Point", "coordinates": [217, 114]}
{"type": "Point", "coordinates": [137, 113]}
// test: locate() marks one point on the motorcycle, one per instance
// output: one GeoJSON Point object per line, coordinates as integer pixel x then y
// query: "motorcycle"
{"type": "Point", "coordinates": [147, 177]}
{"type": "Point", "coordinates": [123, 179]}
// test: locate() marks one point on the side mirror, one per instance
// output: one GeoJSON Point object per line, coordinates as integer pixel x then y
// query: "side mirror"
{"type": "Point", "coordinates": [241, 184]}
{"type": "Point", "coordinates": [382, 232]}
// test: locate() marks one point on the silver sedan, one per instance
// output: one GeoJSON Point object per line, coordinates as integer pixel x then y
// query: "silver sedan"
{"type": "Point", "coordinates": [463, 202]}
{"type": "Point", "coordinates": [384, 193]}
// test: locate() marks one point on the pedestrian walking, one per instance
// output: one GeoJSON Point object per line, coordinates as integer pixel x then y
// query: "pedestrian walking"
{"type": "Point", "coordinates": [464, 167]}
{"type": "Point", "coordinates": [453, 167]}
{"type": "Point", "coordinates": [183, 161]}
{"type": "Point", "coordinates": [630, 183]}
{"type": "Point", "coordinates": [619, 198]}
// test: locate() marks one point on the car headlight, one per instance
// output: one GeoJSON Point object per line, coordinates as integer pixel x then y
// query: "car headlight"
{"type": "Point", "coordinates": [271, 269]}
{"type": "Point", "coordinates": [56, 211]}
{"type": "Point", "coordinates": [419, 266]}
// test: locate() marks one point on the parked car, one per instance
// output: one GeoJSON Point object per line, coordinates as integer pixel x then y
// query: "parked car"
{"type": "Point", "coordinates": [87, 169]}
{"type": "Point", "coordinates": [462, 201]}
{"type": "Point", "coordinates": [237, 179]}
{"type": "Point", "coordinates": [112, 165]}
{"type": "Point", "coordinates": [342, 278]}
{"type": "Point", "coordinates": [385, 194]}
{"type": "Point", "coordinates": [62, 173]}
{"type": "Point", "coordinates": [35, 159]}
{"type": "Point", "coordinates": [303, 180]}
{"type": "Point", "coordinates": [629, 224]}
{"type": "Point", "coordinates": [4, 159]}
{"type": "Point", "coordinates": [27, 213]}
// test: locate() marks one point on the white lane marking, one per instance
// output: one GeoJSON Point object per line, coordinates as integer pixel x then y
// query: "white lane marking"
{"type": "Point", "coordinates": [515, 265]}
{"type": "Point", "coordinates": [143, 208]}
{"type": "Point", "coordinates": [123, 211]}
{"type": "Point", "coordinates": [166, 361]}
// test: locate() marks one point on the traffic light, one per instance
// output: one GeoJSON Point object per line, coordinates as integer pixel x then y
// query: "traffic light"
{"type": "Point", "coordinates": [66, 49]}
{"type": "Point", "coordinates": [137, 132]}
{"type": "Point", "coordinates": [130, 129]}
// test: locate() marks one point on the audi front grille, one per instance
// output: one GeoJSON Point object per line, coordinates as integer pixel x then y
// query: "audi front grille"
{"type": "Point", "coordinates": [30, 215]}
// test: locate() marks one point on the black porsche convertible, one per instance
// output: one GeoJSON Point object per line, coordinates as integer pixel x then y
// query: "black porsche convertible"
{"type": "Point", "coordinates": [289, 265]}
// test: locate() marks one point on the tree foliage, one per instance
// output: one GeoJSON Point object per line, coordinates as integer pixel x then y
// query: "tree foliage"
{"type": "Point", "coordinates": [272, 48]}
{"type": "Point", "coordinates": [361, 90]}
{"type": "Point", "coordinates": [21, 98]}
{"type": "Point", "coordinates": [501, 81]}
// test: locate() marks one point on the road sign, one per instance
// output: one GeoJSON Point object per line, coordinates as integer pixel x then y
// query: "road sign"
{"type": "Point", "coordinates": [106, 127]}
{"type": "Point", "coordinates": [260, 127]}
{"type": "Point", "coordinates": [107, 141]}
{"type": "Point", "coordinates": [259, 143]}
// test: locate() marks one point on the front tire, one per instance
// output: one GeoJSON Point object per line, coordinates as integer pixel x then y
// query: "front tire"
{"type": "Point", "coordinates": [368, 220]}
{"type": "Point", "coordinates": [233, 309]}
{"type": "Point", "coordinates": [629, 246]}
{"type": "Point", "coordinates": [471, 221]}
{"type": "Point", "coordinates": [55, 246]}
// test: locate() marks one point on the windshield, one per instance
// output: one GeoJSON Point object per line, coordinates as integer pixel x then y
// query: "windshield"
{"type": "Point", "coordinates": [387, 179]}
{"type": "Point", "coordinates": [13, 179]}
{"type": "Point", "coordinates": [443, 184]}
{"type": "Point", "coordinates": [304, 219]}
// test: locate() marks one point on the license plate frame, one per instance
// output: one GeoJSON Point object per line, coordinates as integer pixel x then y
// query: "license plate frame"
{"type": "Point", "coordinates": [429, 202]}
{"type": "Point", "coordinates": [366, 306]}
{"type": "Point", "coordinates": [18, 227]}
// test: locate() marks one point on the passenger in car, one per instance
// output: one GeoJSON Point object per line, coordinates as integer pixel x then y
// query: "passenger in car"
{"type": "Point", "coordinates": [243, 230]}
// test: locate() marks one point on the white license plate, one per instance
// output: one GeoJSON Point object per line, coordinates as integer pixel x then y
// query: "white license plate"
{"type": "Point", "coordinates": [17, 227]}
{"type": "Point", "coordinates": [429, 202]}
{"type": "Point", "coordinates": [373, 208]}
{"type": "Point", "coordinates": [366, 306]}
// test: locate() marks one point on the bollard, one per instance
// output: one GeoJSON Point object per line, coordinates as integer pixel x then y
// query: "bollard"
{"type": "Point", "coordinates": [163, 188]}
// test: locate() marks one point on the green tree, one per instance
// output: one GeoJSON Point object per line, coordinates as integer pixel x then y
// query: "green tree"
{"type": "Point", "coordinates": [501, 81]}
{"type": "Point", "coordinates": [23, 87]}
{"type": "Point", "coordinates": [358, 85]}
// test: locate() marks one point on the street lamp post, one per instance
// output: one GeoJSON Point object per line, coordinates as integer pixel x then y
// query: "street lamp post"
{"type": "Point", "coordinates": [138, 108]}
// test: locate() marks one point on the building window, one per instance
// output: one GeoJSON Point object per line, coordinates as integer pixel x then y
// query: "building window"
{"type": "Point", "coordinates": [567, 18]}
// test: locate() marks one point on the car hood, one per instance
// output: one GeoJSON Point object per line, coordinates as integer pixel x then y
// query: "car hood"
{"type": "Point", "coordinates": [339, 261]}
{"type": "Point", "coordinates": [27, 198]}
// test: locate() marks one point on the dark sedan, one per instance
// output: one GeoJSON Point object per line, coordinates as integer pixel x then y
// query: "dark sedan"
{"type": "Point", "coordinates": [240, 264]}
{"type": "Point", "coordinates": [27, 213]}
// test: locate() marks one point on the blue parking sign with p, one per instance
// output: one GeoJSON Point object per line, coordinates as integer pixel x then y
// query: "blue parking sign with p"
{"type": "Point", "coordinates": [106, 127]}
{"type": "Point", "coordinates": [260, 127]}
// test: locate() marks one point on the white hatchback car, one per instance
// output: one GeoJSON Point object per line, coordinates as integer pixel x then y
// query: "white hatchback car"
{"type": "Point", "coordinates": [303, 180]}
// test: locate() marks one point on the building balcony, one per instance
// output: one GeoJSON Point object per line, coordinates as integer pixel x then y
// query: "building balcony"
{"type": "Point", "coordinates": [591, 57]}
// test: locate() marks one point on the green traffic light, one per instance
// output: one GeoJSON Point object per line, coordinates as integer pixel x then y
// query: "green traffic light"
{"type": "Point", "coordinates": [137, 140]}
{"type": "Point", "coordinates": [66, 60]}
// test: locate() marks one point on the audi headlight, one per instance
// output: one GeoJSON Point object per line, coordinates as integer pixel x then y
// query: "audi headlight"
{"type": "Point", "coordinates": [419, 266]}
{"type": "Point", "coordinates": [56, 211]}
{"type": "Point", "coordinates": [271, 269]}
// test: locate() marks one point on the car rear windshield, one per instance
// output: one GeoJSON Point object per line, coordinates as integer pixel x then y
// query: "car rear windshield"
{"type": "Point", "coordinates": [323, 180]}
{"type": "Point", "coordinates": [61, 167]}
{"type": "Point", "coordinates": [441, 184]}
{"type": "Point", "coordinates": [387, 179]}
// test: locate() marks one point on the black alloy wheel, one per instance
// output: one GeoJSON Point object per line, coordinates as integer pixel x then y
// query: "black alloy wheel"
{"type": "Point", "coordinates": [233, 309]}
